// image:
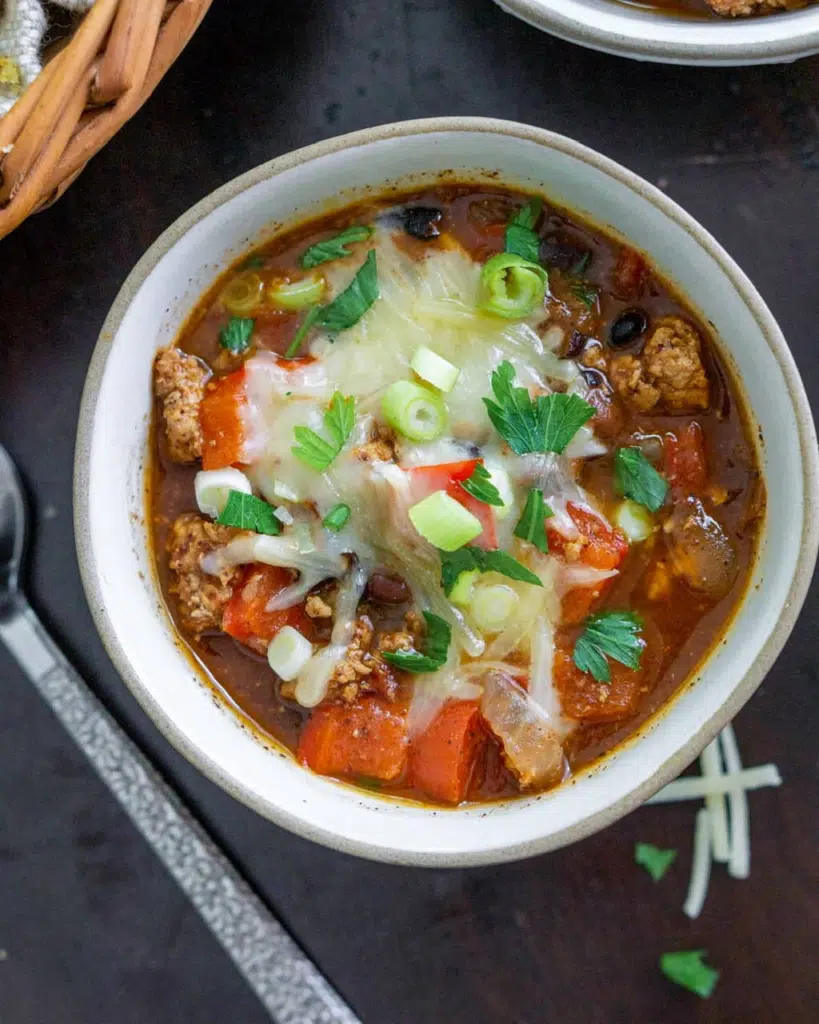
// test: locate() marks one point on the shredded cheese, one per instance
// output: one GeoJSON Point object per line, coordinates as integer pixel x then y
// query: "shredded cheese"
{"type": "Point", "coordinates": [711, 763]}
{"type": "Point", "coordinates": [739, 865]}
{"type": "Point", "coordinates": [695, 787]}
{"type": "Point", "coordinates": [700, 867]}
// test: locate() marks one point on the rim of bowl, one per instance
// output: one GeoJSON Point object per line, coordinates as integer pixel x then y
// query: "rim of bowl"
{"type": "Point", "coordinates": [679, 758]}
{"type": "Point", "coordinates": [744, 48]}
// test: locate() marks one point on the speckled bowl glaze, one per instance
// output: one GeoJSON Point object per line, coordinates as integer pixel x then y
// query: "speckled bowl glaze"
{"type": "Point", "coordinates": [112, 538]}
{"type": "Point", "coordinates": [629, 30]}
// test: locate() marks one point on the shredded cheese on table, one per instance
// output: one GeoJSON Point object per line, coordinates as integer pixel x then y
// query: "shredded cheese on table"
{"type": "Point", "coordinates": [739, 865]}
{"type": "Point", "coordinates": [697, 787]}
{"type": "Point", "coordinates": [711, 763]}
{"type": "Point", "coordinates": [701, 865]}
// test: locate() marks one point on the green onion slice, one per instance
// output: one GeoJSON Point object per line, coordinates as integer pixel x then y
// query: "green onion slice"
{"type": "Point", "coordinates": [444, 522]}
{"type": "Point", "coordinates": [511, 286]}
{"type": "Point", "coordinates": [414, 411]}
{"type": "Point", "coordinates": [299, 294]}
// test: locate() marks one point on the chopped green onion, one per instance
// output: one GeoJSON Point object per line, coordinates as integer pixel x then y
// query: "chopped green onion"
{"type": "Point", "coordinates": [492, 607]}
{"type": "Point", "coordinates": [299, 294]}
{"type": "Point", "coordinates": [511, 286]}
{"type": "Point", "coordinates": [337, 517]}
{"type": "Point", "coordinates": [414, 411]}
{"type": "Point", "coordinates": [288, 653]}
{"type": "Point", "coordinates": [434, 369]}
{"type": "Point", "coordinates": [634, 520]}
{"type": "Point", "coordinates": [444, 522]}
{"type": "Point", "coordinates": [461, 593]}
{"type": "Point", "coordinates": [243, 294]}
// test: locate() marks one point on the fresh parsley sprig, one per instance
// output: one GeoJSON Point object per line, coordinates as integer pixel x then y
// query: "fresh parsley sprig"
{"type": "Point", "coordinates": [636, 478]}
{"type": "Point", "coordinates": [334, 248]}
{"type": "Point", "coordinates": [531, 525]}
{"type": "Point", "coordinates": [521, 237]}
{"type": "Point", "coordinates": [247, 512]}
{"type": "Point", "coordinates": [470, 558]}
{"type": "Point", "coordinates": [318, 452]}
{"type": "Point", "coordinates": [687, 969]}
{"type": "Point", "coordinates": [479, 485]}
{"type": "Point", "coordinates": [436, 648]}
{"type": "Point", "coordinates": [653, 859]}
{"type": "Point", "coordinates": [585, 293]}
{"type": "Point", "coordinates": [544, 424]}
{"type": "Point", "coordinates": [613, 635]}
{"type": "Point", "coordinates": [236, 334]}
{"type": "Point", "coordinates": [346, 309]}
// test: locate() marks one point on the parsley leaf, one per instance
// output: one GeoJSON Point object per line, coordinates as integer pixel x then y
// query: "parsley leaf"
{"type": "Point", "coordinates": [612, 634]}
{"type": "Point", "coordinates": [531, 525]}
{"type": "Point", "coordinates": [334, 248]}
{"type": "Point", "coordinates": [468, 558]}
{"type": "Point", "coordinates": [436, 648]}
{"type": "Point", "coordinates": [687, 969]}
{"type": "Point", "coordinates": [513, 413]}
{"type": "Point", "coordinates": [636, 478]}
{"type": "Point", "coordinates": [563, 415]}
{"type": "Point", "coordinates": [545, 424]}
{"type": "Point", "coordinates": [586, 293]}
{"type": "Point", "coordinates": [312, 316]}
{"type": "Point", "coordinates": [253, 263]}
{"type": "Point", "coordinates": [348, 308]}
{"type": "Point", "coordinates": [480, 486]}
{"type": "Point", "coordinates": [236, 334]}
{"type": "Point", "coordinates": [521, 238]}
{"type": "Point", "coordinates": [653, 859]}
{"type": "Point", "coordinates": [581, 266]}
{"type": "Point", "coordinates": [316, 451]}
{"type": "Point", "coordinates": [247, 512]}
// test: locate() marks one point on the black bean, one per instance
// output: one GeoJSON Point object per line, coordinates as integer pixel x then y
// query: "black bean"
{"type": "Point", "coordinates": [627, 327]}
{"type": "Point", "coordinates": [387, 588]}
{"type": "Point", "coordinates": [594, 378]}
{"type": "Point", "coordinates": [575, 345]}
{"type": "Point", "coordinates": [422, 222]}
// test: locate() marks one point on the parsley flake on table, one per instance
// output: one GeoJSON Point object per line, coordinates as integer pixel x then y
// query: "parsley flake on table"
{"type": "Point", "coordinates": [469, 559]}
{"type": "Point", "coordinates": [545, 424]}
{"type": "Point", "coordinates": [480, 486]}
{"type": "Point", "coordinates": [247, 512]}
{"type": "Point", "coordinates": [636, 478]}
{"type": "Point", "coordinates": [687, 969]}
{"type": "Point", "coordinates": [236, 334]}
{"type": "Point", "coordinates": [318, 452]}
{"type": "Point", "coordinates": [653, 859]}
{"type": "Point", "coordinates": [334, 248]}
{"type": "Point", "coordinates": [531, 525]}
{"type": "Point", "coordinates": [521, 237]}
{"type": "Point", "coordinates": [436, 648]}
{"type": "Point", "coordinates": [613, 635]}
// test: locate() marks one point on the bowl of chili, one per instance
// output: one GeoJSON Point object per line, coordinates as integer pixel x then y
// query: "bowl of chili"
{"type": "Point", "coordinates": [491, 597]}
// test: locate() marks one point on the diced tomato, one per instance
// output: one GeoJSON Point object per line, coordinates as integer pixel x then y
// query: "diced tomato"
{"type": "Point", "coordinates": [220, 415]}
{"type": "Point", "coordinates": [443, 759]}
{"type": "Point", "coordinates": [601, 547]}
{"type": "Point", "coordinates": [425, 480]}
{"type": "Point", "coordinates": [246, 615]}
{"type": "Point", "coordinates": [582, 697]}
{"type": "Point", "coordinates": [368, 738]}
{"type": "Point", "coordinates": [629, 274]}
{"type": "Point", "coordinates": [685, 463]}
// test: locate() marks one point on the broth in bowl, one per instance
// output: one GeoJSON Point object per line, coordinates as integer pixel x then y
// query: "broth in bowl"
{"type": "Point", "coordinates": [450, 491]}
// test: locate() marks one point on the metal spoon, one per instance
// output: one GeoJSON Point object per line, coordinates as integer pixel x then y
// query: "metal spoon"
{"type": "Point", "coordinates": [289, 985]}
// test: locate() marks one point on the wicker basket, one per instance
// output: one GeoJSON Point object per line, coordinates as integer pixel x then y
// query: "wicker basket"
{"type": "Point", "coordinates": [84, 94]}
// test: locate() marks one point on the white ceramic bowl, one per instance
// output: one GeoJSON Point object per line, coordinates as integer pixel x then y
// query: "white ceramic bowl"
{"type": "Point", "coordinates": [650, 34]}
{"type": "Point", "coordinates": [110, 471]}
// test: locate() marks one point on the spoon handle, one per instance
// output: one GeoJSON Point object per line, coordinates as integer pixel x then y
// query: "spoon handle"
{"type": "Point", "coordinates": [289, 985]}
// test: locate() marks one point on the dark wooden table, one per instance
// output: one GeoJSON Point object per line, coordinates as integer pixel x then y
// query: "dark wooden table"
{"type": "Point", "coordinates": [92, 929]}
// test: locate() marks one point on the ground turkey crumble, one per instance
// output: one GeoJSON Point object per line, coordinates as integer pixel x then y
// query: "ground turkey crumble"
{"type": "Point", "coordinates": [668, 373]}
{"type": "Point", "coordinates": [179, 382]}
{"type": "Point", "coordinates": [201, 597]}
